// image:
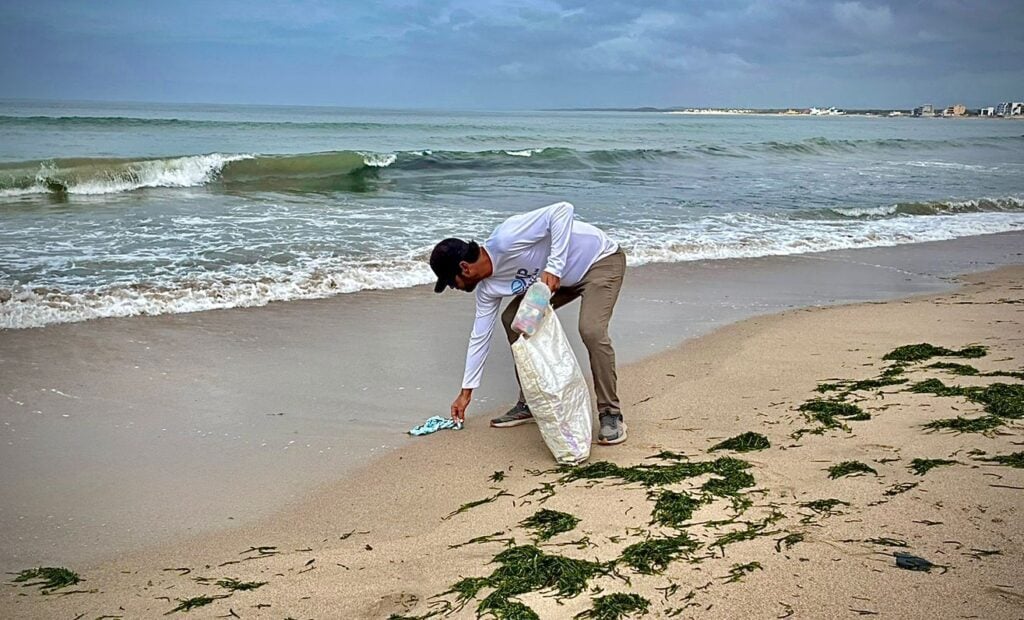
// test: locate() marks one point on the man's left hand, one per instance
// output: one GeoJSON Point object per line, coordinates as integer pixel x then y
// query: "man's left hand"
{"type": "Point", "coordinates": [551, 280]}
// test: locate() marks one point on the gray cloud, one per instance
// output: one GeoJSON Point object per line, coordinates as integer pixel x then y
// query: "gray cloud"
{"type": "Point", "coordinates": [524, 53]}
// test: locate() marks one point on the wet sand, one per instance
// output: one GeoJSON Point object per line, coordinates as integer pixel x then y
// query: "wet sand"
{"type": "Point", "coordinates": [124, 434]}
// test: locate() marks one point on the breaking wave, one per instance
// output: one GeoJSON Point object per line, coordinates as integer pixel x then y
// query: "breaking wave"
{"type": "Point", "coordinates": [980, 205]}
{"type": "Point", "coordinates": [357, 171]}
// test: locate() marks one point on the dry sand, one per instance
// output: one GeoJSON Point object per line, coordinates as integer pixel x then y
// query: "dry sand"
{"type": "Point", "coordinates": [378, 543]}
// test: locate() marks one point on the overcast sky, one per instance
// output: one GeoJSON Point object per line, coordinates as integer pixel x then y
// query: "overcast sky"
{"type": "Point", "coordinates": [501, 54]}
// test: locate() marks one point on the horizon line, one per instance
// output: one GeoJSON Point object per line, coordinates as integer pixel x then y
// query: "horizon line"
{"type": "Point", "coordinates": [638, 108]}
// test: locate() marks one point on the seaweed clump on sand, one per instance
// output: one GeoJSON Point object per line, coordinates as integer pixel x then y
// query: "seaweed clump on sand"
{"type": "Point", "coordinates": [1011, 460]}
{"type": "Point", "coordinates": [525, 569]}
{"type": "Point", "coordinates": [728, 485]}
{"type": "Point", "coordinates": [829, 412]}
{"type": "Point", "coordinates": [923, 466]}
{"type": "Point", "coordinates": [738, 571]}
{"type": "Point", "coordinates": [548, 523]}
{"type": "Point", "coordinates": [746, 442]}
{"type": "Point", "coordinates": [615, 607]}
{"type": "Point", "coordinates": [650, 557]}
{"type": "Point", "coordinates": [1000, 399]}
{"type": "Point", "coordinates": [850, 468]}
{"type": "Point", "coordinates": [936, 387]}
{"type": "Point", "coordinates": [235, 585]}
{"type": "Point", "coordinates": [823, 508]}
{"type": "Point", "coordinates": [188, 604]}
{"type": "Point", "coordinates": [673, 509]}
{"type": "Point", "coordinates": [985, 424]}
{"type": "Point", "coordinates": [894, 370]}
{"type": "Point", "coordinates": [923, 351]}
{"type": "Point", "coordinates": [47, 578]}
{"type": "Point", "coordinates": [846, 387]}
{"type": "Point", "coordinates": [956, 369]}
{"type": "Point", "coordinates": [729, 471]}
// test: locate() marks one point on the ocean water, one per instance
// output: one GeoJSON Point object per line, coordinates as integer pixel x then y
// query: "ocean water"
{"type": "Point", "coordinates": [126, 209]}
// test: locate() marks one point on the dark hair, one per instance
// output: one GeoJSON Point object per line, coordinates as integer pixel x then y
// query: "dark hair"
{"type": "Point", "coordinates": [447, 256]}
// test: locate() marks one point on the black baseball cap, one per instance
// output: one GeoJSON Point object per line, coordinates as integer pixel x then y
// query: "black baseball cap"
{"type": "Point", "coordinates": [445, 259]}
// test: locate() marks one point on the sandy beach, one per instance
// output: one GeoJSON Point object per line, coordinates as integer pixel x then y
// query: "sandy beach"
{"type": "Point", "coordinates": [389, 540]}
{"type": "Point", "coordinates": [222, 228]}
{"type": "Point", "coordinates": [123, 434]}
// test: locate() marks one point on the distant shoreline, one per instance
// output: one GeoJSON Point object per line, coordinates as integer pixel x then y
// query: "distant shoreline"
{"type": "Point", "coordinates": [786, 112]}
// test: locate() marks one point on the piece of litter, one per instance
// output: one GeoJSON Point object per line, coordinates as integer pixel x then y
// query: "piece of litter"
{"type": "Point", "coordinates": [434, 424]}
{"type": "Point", "coordinates": [910, 561]}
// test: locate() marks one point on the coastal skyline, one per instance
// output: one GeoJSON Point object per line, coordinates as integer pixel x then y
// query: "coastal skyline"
{"type": "Point", "coordinates": [502, 55]}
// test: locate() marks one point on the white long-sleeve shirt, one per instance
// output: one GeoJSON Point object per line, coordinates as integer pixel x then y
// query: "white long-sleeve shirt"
{"type": "Point", "coordinates": [521, 248]}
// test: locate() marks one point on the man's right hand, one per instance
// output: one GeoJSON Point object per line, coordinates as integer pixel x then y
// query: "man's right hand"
{"type": "Point", "coordinates": [460, 404]}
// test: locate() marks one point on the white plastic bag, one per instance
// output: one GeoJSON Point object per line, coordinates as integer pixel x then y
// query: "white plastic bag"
{"type": "Point", "coordinates": [555, 390]}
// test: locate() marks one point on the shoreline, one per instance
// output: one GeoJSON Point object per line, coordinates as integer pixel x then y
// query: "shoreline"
{"type": "Point", "coordinates": [378, 540]}
{"type": "Point", "coordinates": [135, 412]}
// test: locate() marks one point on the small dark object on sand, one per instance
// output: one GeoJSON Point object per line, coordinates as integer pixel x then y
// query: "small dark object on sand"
{"type": "Point", "coordinates": [910, 561]}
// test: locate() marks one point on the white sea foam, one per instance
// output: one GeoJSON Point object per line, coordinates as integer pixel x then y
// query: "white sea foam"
{"type": "Point", "coordinates": [246, 283]}
{"type": "Point", "coordinates": [14, 192]}
{"type": "Point", "coordinates": [943, 164]}
{"type": "Point", "coordinates": [379, 160]}
{"type": "Point", "coordinates": [753, 236]}
{"type": "Point", "coordinates": [866, 211]}
{"type": "Point", "coordinates": [523, 153]}
{"type": "Point", "coordinates": [38, 307]}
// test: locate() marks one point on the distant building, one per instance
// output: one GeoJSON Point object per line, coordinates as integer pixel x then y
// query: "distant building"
{"type": "Point", "coordinates": [925, 110]}
{"type": "Point", "coordinates": [989, 111]}
{"type": "Point", "coordinates": [1003, 109]}
{"type": "Point", "coordinates": [1017, 108]}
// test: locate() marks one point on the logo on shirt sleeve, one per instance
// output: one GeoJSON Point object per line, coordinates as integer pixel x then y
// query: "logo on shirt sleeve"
{"type": "Point", "coordinates": [523, 280]}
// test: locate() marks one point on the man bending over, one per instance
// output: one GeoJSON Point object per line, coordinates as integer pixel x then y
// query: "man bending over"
{"type": "Point", "coordinates": [575, 260]}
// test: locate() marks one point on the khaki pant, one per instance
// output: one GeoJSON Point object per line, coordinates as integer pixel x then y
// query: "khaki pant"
{"type": "Point", "coordinates": [598, 290]}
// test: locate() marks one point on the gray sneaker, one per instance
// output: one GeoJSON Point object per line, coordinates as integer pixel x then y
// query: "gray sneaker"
{"type": "Point", "coordinates": [520, 414]}
{"type": "Point", "coordinates": [613, 429]}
